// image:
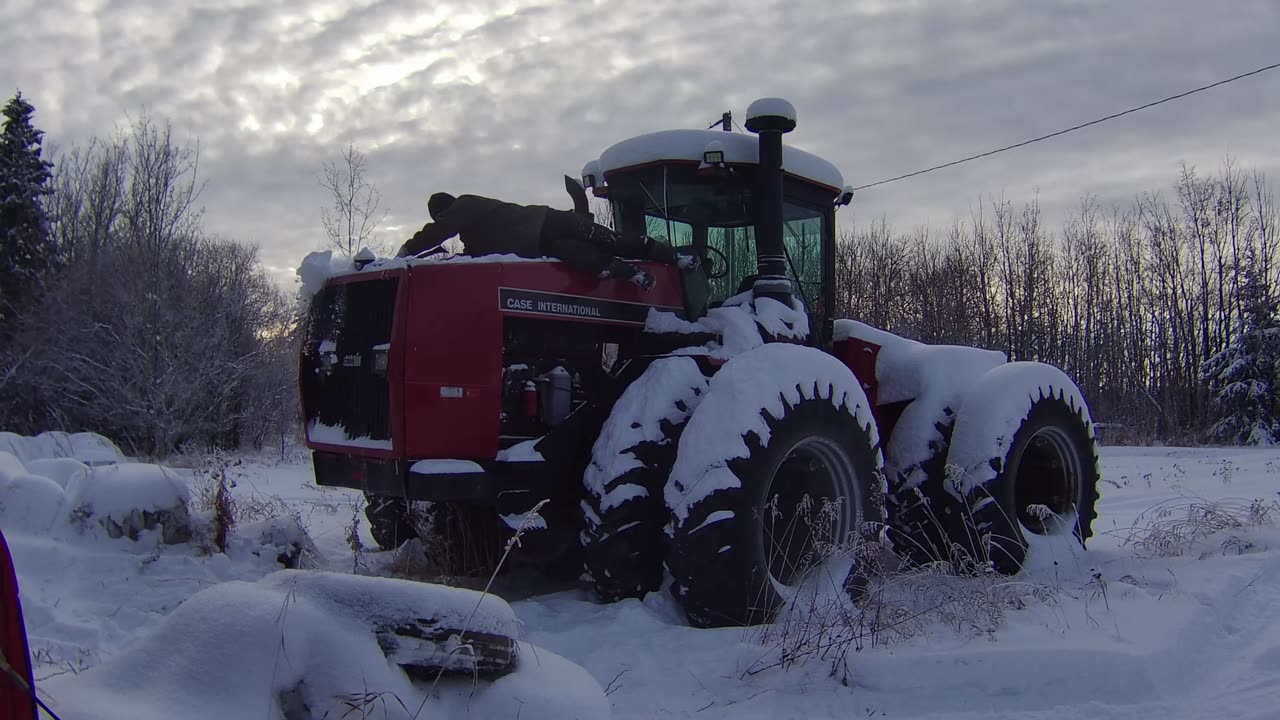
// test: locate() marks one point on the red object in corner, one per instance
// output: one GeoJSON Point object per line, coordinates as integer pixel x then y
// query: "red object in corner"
{"type": "Point", "coordinates": [15, 702]}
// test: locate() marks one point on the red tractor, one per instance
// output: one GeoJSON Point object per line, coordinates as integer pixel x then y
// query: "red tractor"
{"type": "Point", "coordinates": [722, 427]}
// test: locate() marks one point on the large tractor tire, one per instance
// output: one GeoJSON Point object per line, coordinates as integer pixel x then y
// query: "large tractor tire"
{"type": "Point", "coordinates": [623, 511]}
{"type": "Point", "coordinates": [388, 520]}
{"type": "Point", "coordinates": [779, 466]}
{"type": "Point", "coordinates": [1024, 460]}
{"type": "Point", "coordinates": [921, 512]}
{"type": "Point", "coordinates": [919, 388]}
{"type": "Point", "coordinates": [459, 539]}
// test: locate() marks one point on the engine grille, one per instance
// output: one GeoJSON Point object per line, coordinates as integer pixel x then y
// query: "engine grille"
{"type": "Point", "coordinates": [342, 389]}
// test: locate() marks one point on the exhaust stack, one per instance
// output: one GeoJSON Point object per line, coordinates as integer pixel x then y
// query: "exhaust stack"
{"type": "Point", "coordinates": [770, 118]}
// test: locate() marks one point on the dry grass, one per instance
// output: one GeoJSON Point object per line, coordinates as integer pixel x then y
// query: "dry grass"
{"type": "Point", "coordinates": [886, 602]}
{"type": "Point", "coordinates": [1178, 526]}
{"type": "Point", "coordinates": [889, 606]}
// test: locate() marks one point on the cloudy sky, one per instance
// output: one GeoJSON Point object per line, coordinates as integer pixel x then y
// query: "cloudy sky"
{"type": "Point", "coordinates": [502, 97]}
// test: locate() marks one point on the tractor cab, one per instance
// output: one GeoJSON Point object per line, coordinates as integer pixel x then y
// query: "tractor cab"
{"type": "Point", "coordinates": [700, 188]}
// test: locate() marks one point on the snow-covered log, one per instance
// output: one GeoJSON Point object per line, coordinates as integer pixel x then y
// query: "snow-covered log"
{"type": "Point", "coordinates": [425, 629]}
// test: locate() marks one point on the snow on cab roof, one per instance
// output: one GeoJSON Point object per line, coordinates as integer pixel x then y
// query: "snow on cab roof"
{"type": "Point", "coordinates": [738, 148]}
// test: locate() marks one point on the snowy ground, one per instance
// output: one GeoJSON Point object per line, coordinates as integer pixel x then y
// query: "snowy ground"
{"type": "Point", "coordinates": [1123, 631]}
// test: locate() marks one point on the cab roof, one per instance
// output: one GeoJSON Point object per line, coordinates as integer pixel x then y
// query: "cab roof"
{"type": "Point", "coordinates": [739, 148]}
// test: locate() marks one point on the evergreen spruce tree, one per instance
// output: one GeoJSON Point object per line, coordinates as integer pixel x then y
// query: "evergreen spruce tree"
{"type": "Point", "coordinates": [26, 247]}
{"type": "Point", "coordinates": [1244, 379]}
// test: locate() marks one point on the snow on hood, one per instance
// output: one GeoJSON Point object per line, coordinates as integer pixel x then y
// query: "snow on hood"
{"type": "Point", "coordinates": [317, 267]}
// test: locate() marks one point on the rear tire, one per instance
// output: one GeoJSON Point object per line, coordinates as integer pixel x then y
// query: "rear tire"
{"type": "Point", "coordinates": [388, 520]}
{"type": "Point", "coordinates": [741, 549]}
{"type": "Point", "coordinates": [1045, 484]}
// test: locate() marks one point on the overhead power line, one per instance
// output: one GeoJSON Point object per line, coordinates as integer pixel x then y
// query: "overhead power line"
{"type": "Point", "coordinates": [1071, 129]}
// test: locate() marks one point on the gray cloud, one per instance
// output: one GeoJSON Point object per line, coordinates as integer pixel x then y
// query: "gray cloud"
{"type": "Point", "coordinates": [501, 97]}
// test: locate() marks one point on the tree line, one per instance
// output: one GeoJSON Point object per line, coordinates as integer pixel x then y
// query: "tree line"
{"type": "Point", "coordinates": [121, 314]}
{"type": "Point", "coordinates": [1133, 302]}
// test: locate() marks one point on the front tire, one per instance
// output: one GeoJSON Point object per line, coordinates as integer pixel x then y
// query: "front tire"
{"type": "Point", "coordinates": [623, 513]}
{"type": "Point", "coordinates": [459, 539]}
{"type": "Point", "coordinates": [814, 480]}
{"type": "Point", "coordinates": [388, 520]}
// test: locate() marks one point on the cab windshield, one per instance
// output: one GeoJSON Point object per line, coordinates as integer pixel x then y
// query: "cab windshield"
{"type": "Point", "coordinates": [677, 205]}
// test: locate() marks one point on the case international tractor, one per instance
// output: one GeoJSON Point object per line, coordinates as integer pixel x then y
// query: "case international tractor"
{"type": "Point", "coordinates": [721, 428]}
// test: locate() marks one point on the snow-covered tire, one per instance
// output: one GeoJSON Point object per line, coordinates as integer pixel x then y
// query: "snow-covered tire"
{"type": "Point", "coordinates": [781, 432]}
{"type": "Point", "coordinates": [387, 521]}
{"type": "Point", "coordinates": [459, 539]}
{"type": "Point", "coordinates": [921, 512]}
{"type": "Point", "coordinates": [1023, 459]}
{"type": "Point", "coordinates": [622, 539]}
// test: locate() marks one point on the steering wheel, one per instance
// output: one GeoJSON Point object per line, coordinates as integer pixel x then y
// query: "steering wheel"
{"type": "Point", "coordinates": [724, 263]}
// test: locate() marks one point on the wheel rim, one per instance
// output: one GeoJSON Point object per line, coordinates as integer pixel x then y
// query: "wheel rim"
{"type": "Point", "coordinates": [1047, 482]}
{"type": "Point", "coordinates": [812, 500]}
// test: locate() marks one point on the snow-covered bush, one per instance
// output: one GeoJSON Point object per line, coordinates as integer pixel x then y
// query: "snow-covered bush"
{"type": "Point", "coordinates": [28, 502]}
{"type": "Point", "coordinates": [128, 498]}
{"type": "Point", "coordinates": [286, 537]}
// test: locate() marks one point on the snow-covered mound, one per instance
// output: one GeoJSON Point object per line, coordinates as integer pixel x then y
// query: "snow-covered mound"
{"type": "Point", "coordinates": [303, 645]}
{"type": "Point", "coordinates": [89, 448]}
{"type": "Point", "coordinates": [59, 470]}
{"type": "Point", "coordinates": [28, 502]}
{"type": "Point", "coordinates": [127, 498]}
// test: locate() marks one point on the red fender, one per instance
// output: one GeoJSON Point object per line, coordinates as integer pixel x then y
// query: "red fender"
{"type": "Point", "coordinates": [16, 702]}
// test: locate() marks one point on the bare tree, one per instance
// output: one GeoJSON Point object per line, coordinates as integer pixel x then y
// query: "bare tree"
{"type": "Point", "coordinates": [352, 220]}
